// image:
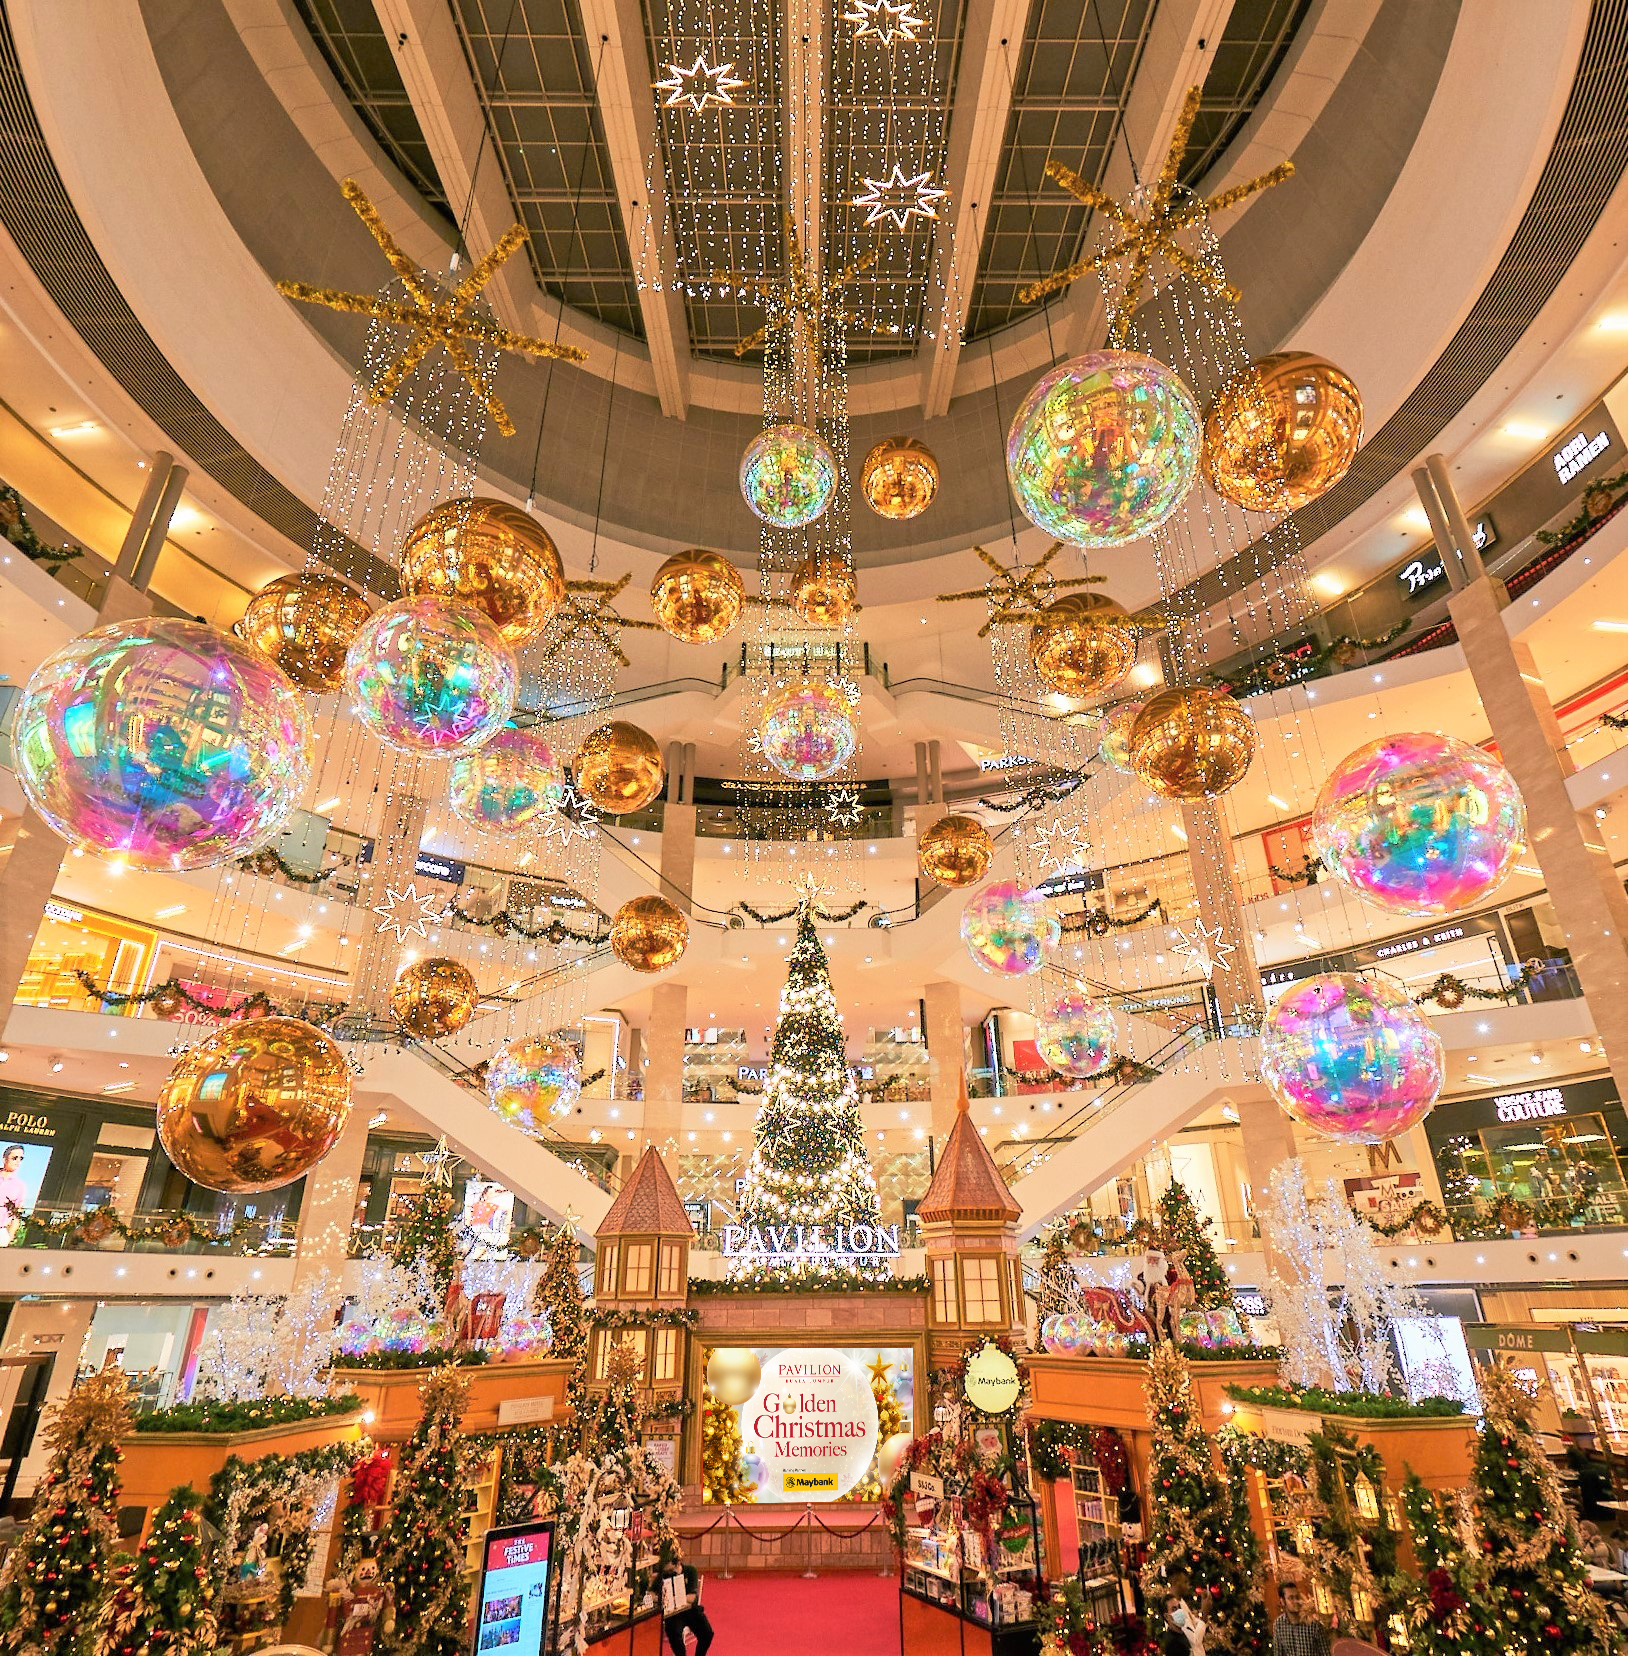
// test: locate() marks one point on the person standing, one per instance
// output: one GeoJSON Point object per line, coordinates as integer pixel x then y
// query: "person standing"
{"type": "Point", "coordinates": [681, 1601]}
{"type": "Point", "coordinates": [1297, 1632]}
{"type": "Point", "coordinates": [1184, 1632]}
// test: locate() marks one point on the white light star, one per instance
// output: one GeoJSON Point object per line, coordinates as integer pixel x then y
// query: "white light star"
{"type": "Point", "coordinates": [572, 816]}
{"type": "Point", "coordinates": [405, 911]}
{"type": "Point", "coordinates": [1060, 846]}
{"type": "Point", "coordinates": [1203, 946]}
{"type": "Point", "coordinates": [434, 1162]}
{"type": "Point", "coordinates": [700, 86]}
{"type": "Point", "coordinates": [899, 198]}
{"type": "Point", "coordinates": [842, 806]}
{"type": "Point", "coordinates": [884, 21]}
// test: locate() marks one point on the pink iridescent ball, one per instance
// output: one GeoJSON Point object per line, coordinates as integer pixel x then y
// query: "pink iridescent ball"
{"type": "Point", "coordinates": [533, 1078]}
{"type": "Point", "coordinates": [1075, 1034]}
{"type": "Point", "coordinates": [166, 743]}
{"type": "Point", "coordinates": [509, 783]}
{"type": "Point", "coordinates": [1007, 929]}
{"type": "Point", "coordinates": [1420, 824]}
{"type": "Point", "coordinates": [807, 732]}
{"type": "Point", "coordinates": [1351, 1059]}
{"type": "Point", "coordinates": [431, 675]}
{"type": "Point", "coordinates": [788, 476]}
{"type": "Point", "coordinates": [1104, 448]}
{"type": "Point", "coordinates": [1114, 748]}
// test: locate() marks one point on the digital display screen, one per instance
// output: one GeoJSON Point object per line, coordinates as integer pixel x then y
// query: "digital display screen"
{"type": "Point", "coordinates": [514, 1587]}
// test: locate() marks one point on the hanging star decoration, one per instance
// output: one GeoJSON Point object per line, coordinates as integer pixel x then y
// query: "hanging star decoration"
{"type": "Point", "coordinates": [572, 815]}
{"type": "Point", "coordinates": [802, 294]}
{"type": "Point", "coordinates": [701, 86]}
{"type": "Point", "coordinates": [1060, 847]}
{"type": "Point", "coordinates": [899, 198]}
{"type": "Point", "coordinates": [885, 21]}
{"type": "Point", "coordinates": [589, 612]}
{"type": "Point", "coordinates": [433, 315]}
{"type": "Point", "coordinates": [1152, 236]}
{"type": "Point", "coordinates": [842, 807]}
{"type": "Point", "coordinates": [1203, 946]}
{"type": "Point", "coordinates": [406, 911]}
{"type": "Point", "coordinates": [437, 1163]}
{"type": "Point", "coordinates": [1017, 595]}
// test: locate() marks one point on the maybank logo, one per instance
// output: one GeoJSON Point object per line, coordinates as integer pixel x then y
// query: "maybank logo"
{"type": "Point", "coordinates": [808, 1483]}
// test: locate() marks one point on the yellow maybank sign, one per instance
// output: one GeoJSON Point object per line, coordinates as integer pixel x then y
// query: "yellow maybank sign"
{"type": "Point", "coordinates": [808, 1483]}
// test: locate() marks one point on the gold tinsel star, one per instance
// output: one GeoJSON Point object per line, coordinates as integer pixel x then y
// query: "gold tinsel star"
{"type": "Point", "coordinates": [878, 1370]}
{"type": "Point", "coordinates": [1015, 596]}
{"type": "Point", "coordinates": [433, 315]}
{"type": "Point", "coordinates": [800, 293]}
{"type": "Point", "coordinates": [587, 610]}
{"type": "Point", "coordinates": [1153, 236]}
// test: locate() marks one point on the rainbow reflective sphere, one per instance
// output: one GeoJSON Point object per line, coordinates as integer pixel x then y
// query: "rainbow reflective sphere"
{"type": "Point", "coordinates": [1419, 824]}
{"type": "Point", "coordinates": [532, 1078]}
{"type": "Point", "coordinates": [788, 476]}
{"type": "Point", "coordinates": [431, 675]}
{"type": "Point", "coordinates": [167, 743]}
{"type": "Point", "coordinates": [1104, 448]}
{"type": "Point", "coordinates": [507, 783]}
{"type": "Point", "coordinates": [1351, 1059]}
{"type": "Point", "coordinates": [1075, 1034]}
{"type": "Point", "coordinates": [1007, 929]}
{"type": "Point", "coordinates": [808, 731]}
{"type": "Point", "coordinates": [1114, 747]}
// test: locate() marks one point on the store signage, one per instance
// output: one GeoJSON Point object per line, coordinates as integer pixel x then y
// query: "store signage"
{"type": "Point", "coordinates": [1289, 1425]}
{"type": "Point", "coordinates": [1602, 1342]}
{"type": "Point", "coordinates": [1073, 885]}
{"type": "Point", "coordinates": [431, 867]}
{"type": "Point", "coordinates": [520, 1411]}
{"type": "Point", "coordinates": [1422, 573]}
{"type": "Point", "coordinates": [25, 1121]}
{"type": "Point", "coordinates": [1515, 1337]}
{"type": "Point", "coordinates": [1418, 942]}
{"type": "Point", "coordinates": [60, 911]}
{"type": "Point", "coordinates": [992, 1382]}
{"type": "Point", "coordinates": [1578, 453]}
{"type": "Point", "coordinates": [924, 1483]}
{"type": "Point", "coordinates": [812, 1425]}
{"type": "Point", "coordinates": [837, 1244]}
{"type": "Point", "coordinates": [1251, 1302]}
{"type": "Point", "coordinates": [1530, 1106]}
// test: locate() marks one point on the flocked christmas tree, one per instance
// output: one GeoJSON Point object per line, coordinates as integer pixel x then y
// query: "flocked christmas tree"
{"type": "Point", "coordinates": [1181, 1229]}
{"type": "Point", "coordinates": [809, 1208]}
{"type": "Point", "coordinates": [159, 1605]}
{"type": "Point", "coordinates": [421, 1556]}
{"type": "Point", "coordinates": [53, 1576]}
{"type": "Point", "coordinates": [723, 1478]}
{"type": "Point", "coordinates": [1199, 1544]}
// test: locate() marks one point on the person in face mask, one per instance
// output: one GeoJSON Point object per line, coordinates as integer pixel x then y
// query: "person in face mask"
{"type": "Point", "coordinates": [1184, 1632]}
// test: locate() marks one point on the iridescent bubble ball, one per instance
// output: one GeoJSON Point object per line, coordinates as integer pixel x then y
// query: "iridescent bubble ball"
{"type": "Point", "coordinates": [506, 784]}
{"type": "Point", "coordinates": [1114, 747]}
{"type": "Point", "coordinates": [1419, 824]}
{"type": "Point", "coordinates": [1007, 929]}
{"type": "Point", "coordinates": [1351, 1059]}
{"type": "Point", "coordinates": [532, 1078]}
{"type": "Point", "coordinates": [431, 675]}
{"type": "Point", "coordinates": [807, 730]}
{"type": "Point", "coordinates": [788, 476]}
{"type": "Point", "coordinates": [1076, 1035]}
{"type": "Point", "coordinates": [1104, 448]}
{"type": "Point", "coordinates": [167, 743]}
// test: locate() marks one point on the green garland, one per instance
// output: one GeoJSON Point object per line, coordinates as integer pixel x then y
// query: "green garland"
{"type": "Point", "coordinates": [665, 1317]}
{"type": "Point", "coordinates": [700, 1287]}
{"type": "Point", "coordinates": [20, 532]}
{"type": "Point", "coordinates": [172, 988]}
{"type": "Point", "coordinates": [1586, 522]}
{"type": "Point", "coordinates": [1050, 1439]}
{"type": "Point", "coordinates": [431, 1357]}
{"type": "Point", "coordinates": [1614, 721]}
{"type": "Point", "coordinates": [101, 1224]}
{"type": "Point", "coordinates": [1311, 871]}
{"type": "Point", "coordinates": [1450, 992]}
{"type": "Point", "coordinates": [1364, 1405]}
{"type": "Point", "coordinates": [1241, 1450]}
{"type": "Point", "coordinates": [1427, 1217]}
{"type": "Point", "coordinates": [1098, 922]}
{"type": "Point", "coordinates": [223, 1418]}
{"type": "Point", "coordinates": [832, 917]}
{"type": "Point", "coordinates": [1288, 666]}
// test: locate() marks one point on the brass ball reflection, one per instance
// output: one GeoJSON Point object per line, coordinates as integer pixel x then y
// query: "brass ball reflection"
{"type": "Point", "coordinates": [434, 997]}
{"type": "Point", "coordinates": [305, 623]}
{"type": "Point", "coordinates": [733, 1373]}
{"type": "Point", "coordinates": [955, 851]}
{"type": "Point", "coordinates": [1283, 433]}
{"type": "Point", "coordinates": [489, 555]}
{"type": "Point", "coordinates": [1192, 743]}
{"type": "Point", "coordinates": [254, 1105]}
{"type": "Point", "coordinates": [1082, 644]}
{"type": "Point", "coordinates": [824, 590]}
{"type": "Point", "coordinates": [649, 934]}
{"type": "Point", "coordinates": [619, 768]}
{"type": "Point", "coordinates": [899, 478]}
{"type": "Point", "coordinates": [697, 596]}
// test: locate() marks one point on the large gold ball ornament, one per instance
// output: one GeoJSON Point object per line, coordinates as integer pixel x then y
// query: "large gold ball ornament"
{"type": "Point", "coordinates": [619, 768]}
{"type": "Point", "coordinates": [489, 555]}
{"type": "Point", "coordinates": [649, 934]}
{"type": "Point", "coordinates": [697, 596]}
{"type": "Point", "coordinates": [1082, 644]}
{"type": "Point", "coordinates": [1192, 743]}
{"type": "Point", "coordinates": [955, 851]}
{"type": "Point", "coordinates": [899, 478]}
{"type": "Point", "coordinates": [824, 590]}
{"type": "Point", "coordinates": [434, 997]}
{"type": "Point", "coordinates": [255, 1105]}
{"type": "Point", "coordinates": [1283, 433]}
{"type": "Point", "coordinates": [733, 1373]}
{"type": "Point", "coordinates": [304, 624]}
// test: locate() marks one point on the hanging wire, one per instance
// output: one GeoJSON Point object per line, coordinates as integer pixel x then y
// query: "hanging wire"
{"type": "Point", "coordinates": [1029, 201]}
{"type": "Point", "coordinates": [485, 135]}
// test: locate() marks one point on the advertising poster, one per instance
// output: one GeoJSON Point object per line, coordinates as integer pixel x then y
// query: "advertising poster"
{"type": "Point", "coordinates": [22, 1167]}
{"type": "Point", "coordinates": [512, 1612]}
{"type": "Point", "coordinates": [489, 1213]}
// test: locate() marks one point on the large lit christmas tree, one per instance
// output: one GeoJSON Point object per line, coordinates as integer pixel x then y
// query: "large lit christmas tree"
{"type": "Point", "coordinates": [809, 1208]}
{"type": "Point", "coordinates": [1181, 1228]}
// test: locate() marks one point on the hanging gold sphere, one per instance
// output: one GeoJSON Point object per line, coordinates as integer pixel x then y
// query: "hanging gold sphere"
{"type": "Point", "coordinates": [1082, 644]}
{"type": "Point", "coordinates": [899, 478]}
{"type": "Point", "coordinates": [955, 851]}
{"type": "Point", "coordinates": [824, 590]}
{"type": "Point", "coordinates": [1192, 743]}
{"type": "Point", "coordinates": [432, 998]}
{"type": "Point", "coordinates": [697, 596]}
{"type": "Point", "coordinates": [619, 768]}
{"type": "Point", "coordinates": [255, 1105]}
{"type": "Point", "coordinates": [649, 934]}
{"type": "Point", "coordinates": [489, 555]}
{"type": "Point", "coordinates": [305, 623]}
{"type": "Point", "coordinates": [1283, 433]}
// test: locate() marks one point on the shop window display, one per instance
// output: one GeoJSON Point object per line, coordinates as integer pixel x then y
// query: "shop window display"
{"type": "Point", "coordinates": [1563, 1174]}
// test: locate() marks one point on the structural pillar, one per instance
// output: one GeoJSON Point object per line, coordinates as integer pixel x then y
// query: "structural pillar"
{"type": "Point", "coordinates": [328, 1204]}
{"type": "Point", "coordinates": [946, 1055]}
{"type": "Point", "coordinates": [678, 855]}
{"type": "Point", "coordinates": [664, 1067]}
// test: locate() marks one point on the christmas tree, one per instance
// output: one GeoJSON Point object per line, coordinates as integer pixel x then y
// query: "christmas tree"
{"type": "Point", "coordinates": [723, 1479]}
{"type": "Point", "coordinates": [1537, 1578]}
{"type": "Point", "coordinates": [1445, 1606]}
{"type": "Point", "coordinates": [1059, 1286]}
{"type": "Point", "coordinates": [809, 1187]}
{"type": "Point", "coordinates": [1183, 1230]}
{"type": "Point", "coordinates": [559, 1298]}
{"type": "Point", "coordinates": [428, 1231]}
{"type": "Point", "coordinates": [891, 1421]}
{"type": "Point", "coordinates": [616, 1419]}
{"type": "Point", "coordinates": [159, 1605]}
{"type": "Point", "coordinates": [421, 1556]}
{"type": "Point", "coordinates": [53, 1576]}
{"type": "Point", "coordinates": [1200, 1544]}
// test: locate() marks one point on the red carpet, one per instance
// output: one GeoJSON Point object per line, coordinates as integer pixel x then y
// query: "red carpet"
{"type": "Point", "coordinates": [845, 1613]}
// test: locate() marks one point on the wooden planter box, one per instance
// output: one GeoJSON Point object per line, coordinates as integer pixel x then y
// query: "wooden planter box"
{"type": "Point", "coordinates": [1112, 1391]}
{"type": "Point", "coordinates": [534, 1392]}
{"type": "Point", "coordinates": [1441, 1449]}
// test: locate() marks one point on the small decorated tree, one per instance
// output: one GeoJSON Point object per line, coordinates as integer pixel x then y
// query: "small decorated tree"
{"type": "Point", "coordinates": [615, 1420]}
{"type": "Point", "coordinates": [1183, 1231]}
{"type": "Point", "coordinates": [559, 1298]}
{"type": "Point", "coordinates": [53, 1576]}
{"type": "Point", "coordinates": [1445, 1605]}
{"type": "Point", "coordinates": [160, 1604]}
{"type": "Point", "coordinates": [428, 1231]}
{"type": "Point", "coordinates": [891, 1422]}
{"type": "Point", "coordinates": [723, 1478]}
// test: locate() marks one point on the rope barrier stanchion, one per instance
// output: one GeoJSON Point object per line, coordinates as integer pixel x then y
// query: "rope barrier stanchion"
{"type": "Point", "coordinates": [810, 1574]}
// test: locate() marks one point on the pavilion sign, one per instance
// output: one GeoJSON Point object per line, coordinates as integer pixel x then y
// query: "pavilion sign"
{"type": "Point", "coordinates": [838, 1244]}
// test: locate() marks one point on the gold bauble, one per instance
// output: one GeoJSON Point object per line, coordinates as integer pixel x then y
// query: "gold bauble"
{"type": "Point", "coordinates": [255, 1105]}
{"type": "Point", "coordinates": [899, 478]}
{"type": "Point", "coordinates": [697, 596]}
{"type": "Point", "coordinates": [824, 589]}
{"type": "Point", "coordinates": [1082, 644]}
{"type": "Point", "coordinates": [619, 768]}
{"type": "Point", "coordinates": [1283, 433]}
{"type": "Point", "coordinates": [489, 555]}
{"type": "Point", "coordinates": [434, 997]}
{"type": "Point", "coordinates": [733, 1373]}
{"type": "Point", "coordinates": [649, 934]}
{"type": "Point", "coordinates": [1192, 743]}
{"type": "Point", "coordinates": [305, 624]}
{"type": "Point", "coordinates": [955, 851]}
